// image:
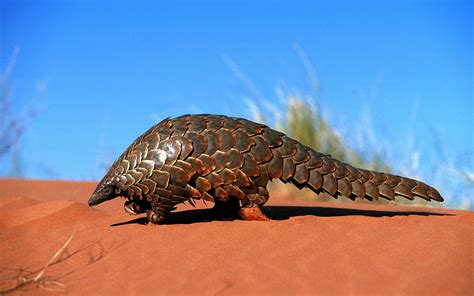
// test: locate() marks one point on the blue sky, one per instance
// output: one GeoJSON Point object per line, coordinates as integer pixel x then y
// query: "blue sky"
{"type": "Point", "coordinates": [101, 73]}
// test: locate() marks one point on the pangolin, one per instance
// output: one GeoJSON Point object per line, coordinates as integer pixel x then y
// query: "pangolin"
{"type": "Point", "coordinates": [229, 161]}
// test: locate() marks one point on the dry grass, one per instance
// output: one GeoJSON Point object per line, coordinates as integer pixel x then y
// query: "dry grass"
{"type": "Point", "coordinates": [39, 280]}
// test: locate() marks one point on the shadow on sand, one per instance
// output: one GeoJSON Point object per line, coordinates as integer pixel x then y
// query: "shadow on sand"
{"type": "Point", "coordinates": [280, 213]}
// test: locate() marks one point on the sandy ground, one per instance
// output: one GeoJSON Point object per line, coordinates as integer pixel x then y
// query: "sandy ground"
{"type": "Point", "coordinates": [310, 247]}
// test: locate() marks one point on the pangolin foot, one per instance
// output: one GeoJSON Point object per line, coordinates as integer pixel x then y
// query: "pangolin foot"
{"type": "Point", "coordinates": [154, 218]}
{"type": "Point", "coordinates": [253, 214]}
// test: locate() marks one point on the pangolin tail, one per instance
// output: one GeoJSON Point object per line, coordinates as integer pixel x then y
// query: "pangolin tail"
{"type": "Point", "coordinates": [304, 167]}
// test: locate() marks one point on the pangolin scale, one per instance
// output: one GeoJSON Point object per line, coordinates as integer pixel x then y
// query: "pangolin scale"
{"type": "Point", "coordinates": [230, 161]}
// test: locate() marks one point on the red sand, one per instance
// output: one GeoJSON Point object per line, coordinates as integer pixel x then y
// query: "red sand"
{"type": "Point", "coordinates": [311, 247]}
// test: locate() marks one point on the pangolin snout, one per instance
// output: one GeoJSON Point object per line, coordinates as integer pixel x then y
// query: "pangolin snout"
{"type": "Point", "coordinates": [94, 200]}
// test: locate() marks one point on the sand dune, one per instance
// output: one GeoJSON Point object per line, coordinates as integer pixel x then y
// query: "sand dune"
{"type": "Point", "coordinates": [309, 247]}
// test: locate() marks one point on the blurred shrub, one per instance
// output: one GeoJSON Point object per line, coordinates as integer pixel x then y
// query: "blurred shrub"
{"type": "Point", "coordinates": [302, 119]}
{"type": "Point", "coordinates": [12, 124]}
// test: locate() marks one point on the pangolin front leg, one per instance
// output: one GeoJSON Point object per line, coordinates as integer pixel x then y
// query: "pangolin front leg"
{"type": "Point", "coordinates": [136, 207]}
{"type": "Point", "coordinates": [230, 161]}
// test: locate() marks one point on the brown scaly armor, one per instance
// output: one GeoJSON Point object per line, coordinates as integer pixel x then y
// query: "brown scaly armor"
{"type": "Point", "coordinates": [229, 161]}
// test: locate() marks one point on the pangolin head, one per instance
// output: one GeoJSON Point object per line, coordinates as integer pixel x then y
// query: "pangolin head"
{"type": "Point", "coordinates": [105, 190]}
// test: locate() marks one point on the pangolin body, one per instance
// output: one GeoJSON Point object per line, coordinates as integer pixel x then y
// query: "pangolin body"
{"type": "Point", "coordinates": [230, 161]}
